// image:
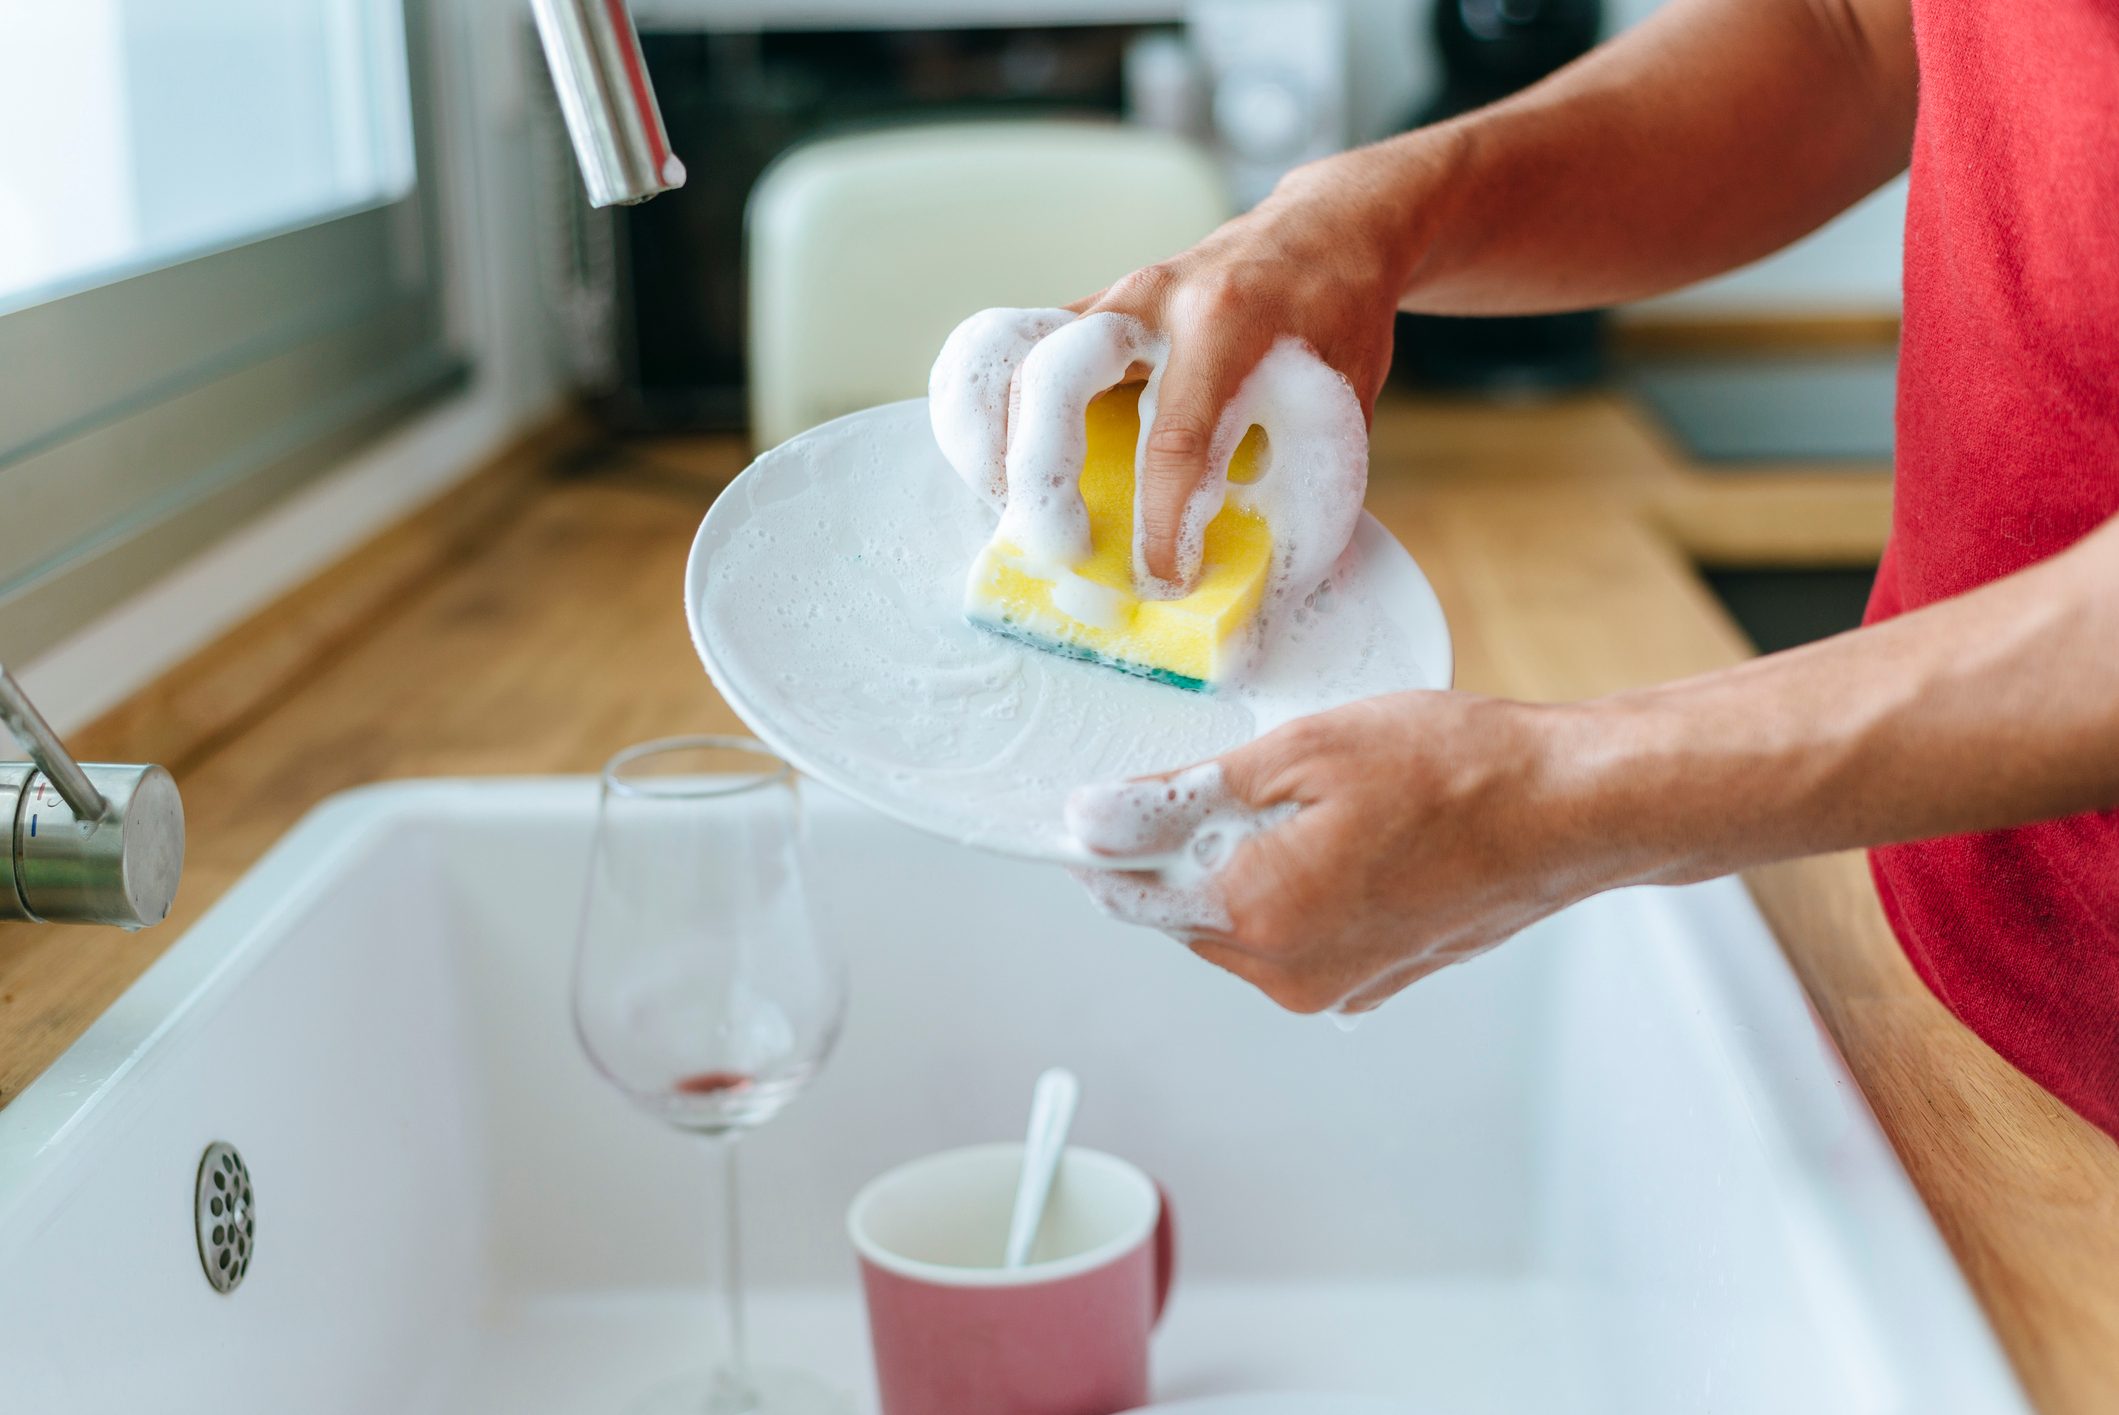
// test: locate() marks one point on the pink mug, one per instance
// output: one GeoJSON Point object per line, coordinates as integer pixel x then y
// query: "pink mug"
{"type": "Point", "coordinates": [955, 1333]}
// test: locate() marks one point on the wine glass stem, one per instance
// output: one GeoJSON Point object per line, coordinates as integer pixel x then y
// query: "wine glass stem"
{"type": "Point", "coordinates": [735, 1392]}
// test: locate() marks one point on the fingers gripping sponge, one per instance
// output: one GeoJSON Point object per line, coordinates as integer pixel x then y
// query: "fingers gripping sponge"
{"type": "Point", "coordinates": [1090, 610]}
{"type": "Point", "coordinates": [1023, 404]}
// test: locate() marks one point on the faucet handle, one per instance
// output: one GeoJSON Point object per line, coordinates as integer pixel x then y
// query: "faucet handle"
{"type": "Point", "coordinates": [20, 716]}
{"type": "Point", "coordinates": [94, 844]}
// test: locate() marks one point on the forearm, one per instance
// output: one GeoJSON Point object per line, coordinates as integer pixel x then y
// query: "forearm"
{"type": "Point", "coordinates": [1993, 709]}
{"type": "Point", "coordinates": [1707, 136]}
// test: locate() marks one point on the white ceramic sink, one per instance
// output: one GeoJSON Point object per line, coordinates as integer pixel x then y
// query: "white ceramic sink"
{"type": "Point", "coordinates": [1615, 1166]}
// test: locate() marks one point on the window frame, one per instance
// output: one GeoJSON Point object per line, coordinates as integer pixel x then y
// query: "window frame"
{"type": "Point", "coordinates": [142, 419]}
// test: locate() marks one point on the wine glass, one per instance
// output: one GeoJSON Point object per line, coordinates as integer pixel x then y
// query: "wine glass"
{"type": "Point", "coordinates": [702, 991]}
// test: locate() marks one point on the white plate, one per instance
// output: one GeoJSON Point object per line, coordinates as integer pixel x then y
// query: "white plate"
{"type": "Point", "coordinates": [825, 592]}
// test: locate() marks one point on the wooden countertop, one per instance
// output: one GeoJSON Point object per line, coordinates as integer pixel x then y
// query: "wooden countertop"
{"type": "Point", "coordinates": [528, 622]}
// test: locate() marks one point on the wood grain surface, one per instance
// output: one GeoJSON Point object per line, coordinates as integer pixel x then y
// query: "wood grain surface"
{"type": "Point", "coordinates": [530, 622]}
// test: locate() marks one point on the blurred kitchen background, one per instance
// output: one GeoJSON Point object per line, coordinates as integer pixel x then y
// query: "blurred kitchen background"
{"type": "Point", "coordinates": [276, 273]}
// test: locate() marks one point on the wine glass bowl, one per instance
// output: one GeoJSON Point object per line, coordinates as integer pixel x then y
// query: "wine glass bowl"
{"type": "Point", "coordinates": [702, 989]}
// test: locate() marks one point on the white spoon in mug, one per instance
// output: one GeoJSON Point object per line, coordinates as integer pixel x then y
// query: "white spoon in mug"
{"type": "Point", "coordinates": [1051, 1114]}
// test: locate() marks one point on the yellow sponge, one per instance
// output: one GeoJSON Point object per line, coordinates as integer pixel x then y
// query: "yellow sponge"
{"type": "Point", "coordinates": [1090, 611]}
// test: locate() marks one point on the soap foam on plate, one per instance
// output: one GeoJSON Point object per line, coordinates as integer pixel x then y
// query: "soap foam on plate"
{"type": "Point", "coordinates": [825, 595]}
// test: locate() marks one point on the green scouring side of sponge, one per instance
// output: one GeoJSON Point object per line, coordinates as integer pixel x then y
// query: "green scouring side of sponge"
{"type": "Point", "coordinates": [1065, 650]}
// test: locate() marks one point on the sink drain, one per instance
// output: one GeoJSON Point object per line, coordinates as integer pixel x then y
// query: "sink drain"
{"type": "Point", "coordinates": [227, 1216]}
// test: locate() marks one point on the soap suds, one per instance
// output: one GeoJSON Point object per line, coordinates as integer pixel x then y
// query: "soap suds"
{"type": "Point", "coordinates": [970, 388]}
{"type": "Point", "coordinates": [1190, 820]}
{"type": "Point", "coordinates": [1048, 436]}
{"type": "Point", "coordinates": [1194, 825]}
{"type": "Point", "coordinates": [1087, 601]}
{"type": "Point", "coordinates": [1314, 472]}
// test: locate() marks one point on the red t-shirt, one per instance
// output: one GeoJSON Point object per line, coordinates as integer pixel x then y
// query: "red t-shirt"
{"type": "Point", "coordinates": [2008, 452]}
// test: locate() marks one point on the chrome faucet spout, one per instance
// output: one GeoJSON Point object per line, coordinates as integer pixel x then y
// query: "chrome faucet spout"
{"type": "Point", "coordinates": [594, 54]}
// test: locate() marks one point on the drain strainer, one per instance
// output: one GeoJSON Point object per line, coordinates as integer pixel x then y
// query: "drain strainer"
{"type": "Point", "coordinates": [227, 1216]}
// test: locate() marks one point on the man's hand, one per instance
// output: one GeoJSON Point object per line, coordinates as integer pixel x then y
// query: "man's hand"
{"type": "Point", "coordinates": [1312, 262]}
{"type": "Point", "coordinates": [1659, 159]}
{"type": "Point", "coordinates": [1427, 827]}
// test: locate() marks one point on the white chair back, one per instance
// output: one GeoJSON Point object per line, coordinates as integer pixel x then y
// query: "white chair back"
{"type": "Point", "coordinates": [864, 251]}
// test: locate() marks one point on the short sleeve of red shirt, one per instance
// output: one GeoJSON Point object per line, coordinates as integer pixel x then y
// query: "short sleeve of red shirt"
{"type": "Point", "coordinates": [2008, 452]}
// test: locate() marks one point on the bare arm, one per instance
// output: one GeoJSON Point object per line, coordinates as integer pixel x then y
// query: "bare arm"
{"type": "Point", "coordinates": [1992, 709]}
{"type": "Point", "coordinates": [1436, 824]}
{"type": "Point", "coordinates": [1706, 136]}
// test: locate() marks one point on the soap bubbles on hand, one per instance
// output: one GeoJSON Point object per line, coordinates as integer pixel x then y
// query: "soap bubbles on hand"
{"type": "Point", "coordinates": [1190, 823]}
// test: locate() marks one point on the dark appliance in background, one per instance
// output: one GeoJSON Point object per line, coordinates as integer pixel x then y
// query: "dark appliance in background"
{"type": "Point", "coordinates": [1490, 49]}
{"type": "Point", "coordinates": [651, 298]}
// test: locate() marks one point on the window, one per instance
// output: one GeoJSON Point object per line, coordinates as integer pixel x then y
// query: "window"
{"type": "Point", "coordinates": [218, 272]}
